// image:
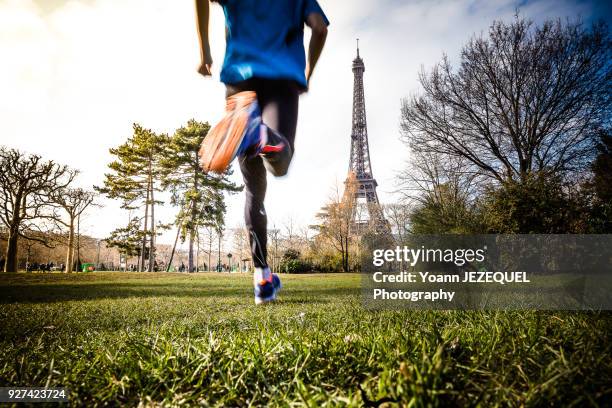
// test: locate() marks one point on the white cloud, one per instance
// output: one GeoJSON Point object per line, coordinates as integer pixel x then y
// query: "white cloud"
{"type": "Point", "coordinates": [74, 77]}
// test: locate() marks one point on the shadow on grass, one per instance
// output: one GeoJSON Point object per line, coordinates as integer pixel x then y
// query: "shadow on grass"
{"type": "Point", "coordinates": [45, 293]}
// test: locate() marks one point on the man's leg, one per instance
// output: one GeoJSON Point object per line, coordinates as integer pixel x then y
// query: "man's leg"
{"type": "Point", "coordinates": [278, 101]}
{"type": "Point", "coordinates": [254, 176]}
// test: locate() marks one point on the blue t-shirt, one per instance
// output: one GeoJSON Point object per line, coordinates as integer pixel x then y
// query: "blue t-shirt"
{"type": "Point", "coordinates": [265, 39]}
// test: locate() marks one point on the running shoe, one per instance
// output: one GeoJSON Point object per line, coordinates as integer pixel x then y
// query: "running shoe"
{"type": "Point", "coordinates": [264, 292]}
{"type": "Point", "coordinates": [237, 132]}
{"type": "Point", "coordinates": [266, 289]}
{"type": "Point", "coordinates": [275, 151]}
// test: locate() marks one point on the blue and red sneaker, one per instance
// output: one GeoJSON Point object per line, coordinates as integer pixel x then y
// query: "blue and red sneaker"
{"type": "Point", "coordinates": [240, 132]}
{"type": "Point", "coordinates": [275, 151]}
{"type": "Point", "coordinates": [266, 286]}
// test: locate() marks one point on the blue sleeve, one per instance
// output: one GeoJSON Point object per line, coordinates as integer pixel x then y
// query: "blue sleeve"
{"type": "Point", "coordinates": [312, 6]}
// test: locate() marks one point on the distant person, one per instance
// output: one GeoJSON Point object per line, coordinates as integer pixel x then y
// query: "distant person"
{"type": "Point", "coordinates": [264, 71]}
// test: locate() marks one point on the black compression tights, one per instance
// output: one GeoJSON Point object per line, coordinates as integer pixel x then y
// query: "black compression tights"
{"type": "Point", "coordinates": [278, 101]}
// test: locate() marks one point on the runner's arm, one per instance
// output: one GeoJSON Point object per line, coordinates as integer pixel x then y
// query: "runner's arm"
{"type": "Point", "coordinates": [317, 24]}
{"type": "Point", "coordinates": [202, 17]}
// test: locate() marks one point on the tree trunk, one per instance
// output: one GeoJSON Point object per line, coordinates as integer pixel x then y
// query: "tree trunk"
{"type": "Point", "coordinates": [209, 249]}
{"type": "Point", "coordinates": [178, 230]}
{"type": "Point", "coordinates": [193, 215]}
{"type": "Point", "coordinates": [78, 244]}
{"type": "Point", "coordinates": [190, 261]}
{"type": "Point", "coordinates": [344, 247]}
{"type": "Point", "coordinates": [70, 252]}
{"type": "Point", "coordinates": [197, 257]}
{"type": "Point", "coordinates": [144, 236]}
{"type": "Point", "coordinates": [11, 250]}
{"type": "Point", "coordinates": [347, 255]}
{"type": "Point", "coordinates": [219, 254]}
{"type": "Point", "coordinates": [28, 256]}
{"type": "Point", "coordinates": [152, 241]}
{"type": "Point", "coordinates": [13, 236]}
{"type": "Point", "coordinates": [342, 253]}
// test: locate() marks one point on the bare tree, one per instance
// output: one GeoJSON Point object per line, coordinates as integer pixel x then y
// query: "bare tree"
{"type": "Point", "coordinates": [289, 233]}
{"type": "Point", "coordinates": [337, 218]}
{"type": "Point", "coordinates": [27, 185]}
{"type": "Point", "coordinates": [429, 174]}
{"type": "Point", "coordinates": [274, 239]}
{"type": "Point", "coordinates": [207, 239]}
{"type": "Point", "coordinates": [527, 98]}
{"type": "Point", "coordinates": [74, 201]}
{"type": "Point", "coordinates": [304, 235]}
{"type": "Point", "coordinates": [440, 194]}
{"type": "Point", "coordinates": [398, 215]}
{"type": "Point", "coordinates": [241, 245]}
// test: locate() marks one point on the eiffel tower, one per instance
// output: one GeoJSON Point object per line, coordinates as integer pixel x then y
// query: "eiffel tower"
{"type": "Point", "coordinates": [360, 185]}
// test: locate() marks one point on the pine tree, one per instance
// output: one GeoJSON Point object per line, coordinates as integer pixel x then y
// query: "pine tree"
{"type": "Point", "coordinates": [198, 195]}
{"type": "Point", "coordinates": [127, 239]}
{"type": "Point", "coordinates": [135, 179]}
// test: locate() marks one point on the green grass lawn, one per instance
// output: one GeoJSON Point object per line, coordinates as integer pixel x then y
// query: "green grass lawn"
{"type": "Point", "coordinates": [197, 339]}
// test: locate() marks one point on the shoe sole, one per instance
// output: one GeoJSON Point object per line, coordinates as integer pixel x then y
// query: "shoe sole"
{"type": "Point", "coordinates": [261, 301]}
{"type": "Point", "coordinates": [222, 142]}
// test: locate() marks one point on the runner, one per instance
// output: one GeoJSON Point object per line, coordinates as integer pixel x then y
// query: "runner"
{"type": "Point", "coordinates": [264, 70]}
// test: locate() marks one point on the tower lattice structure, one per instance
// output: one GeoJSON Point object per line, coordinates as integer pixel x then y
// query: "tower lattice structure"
{"type": "Point", "coordinates": [360, 185]}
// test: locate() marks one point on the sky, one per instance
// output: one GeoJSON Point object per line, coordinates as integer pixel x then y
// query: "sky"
{"type": "Point", "coordinates": [75, 75]}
